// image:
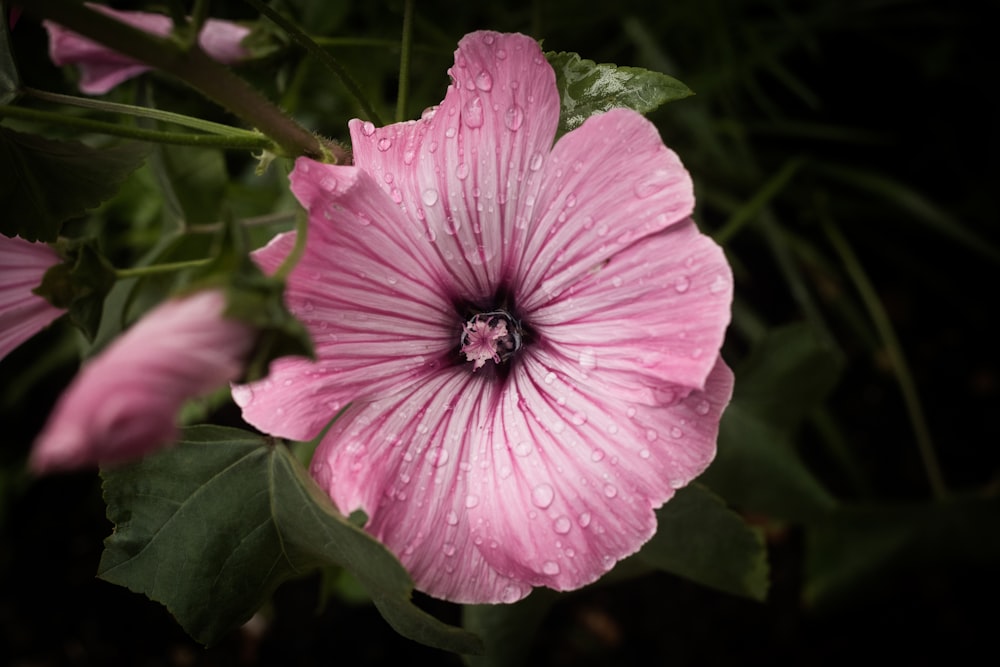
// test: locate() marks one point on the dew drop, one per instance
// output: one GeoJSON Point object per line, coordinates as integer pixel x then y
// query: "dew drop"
{"type": "Point", "coordinates": [562, 525]}
{"type": "Point", "coordinates": [597, 455]}
{"type": "Point", "coordinates": [651, 435]}
{"type": "Point", "coordinates": [522, 448]}
{"type": "Point", "coordinates": [643, 453]}
{"type": "Point", "coordinates": [650, 185]}
{"type": "Point", "coordinates": [550, 377]}
{"type": "Point", "coordinates": [542, 496]}
{"type": "Point", "coordinates": [550, 567]}
{"type": "Point", "coordinates": [718, 285]}
{"type": "Point", "coordinates": [388, 178]}
{"type": "Point", "coordinates": [676, 433]}
{"type": "Point", "coordinates": [610, 490]}
{"type": "Point", "coordinates": [384, 144]}
{"type": "Point", "coordinates": [430, 196]}
{"type": "Point", "coordinates": [702, 408]}
{"type": "Point", "coordinates": [510, 594]}
{"type": "Point", "coordinates": [587, 358]}
{"type": "Point", "coordinates": [328, 183]}
{"type": "Point", "coordinates": [630, 412]}
{"type": "Point", "coordinates": [450, 132]}
{"type": "Point", "coordinates": [579, 419]}
{"type": "Point", "coordinates": [408, 157]}
{"type": "Point", "coordinates": [571, 201]}
{"type": "Point", "coordinates": [536, 162]}
{"type": "Point", "coordinates": [452, 518]}
{"type": "Point", "coordinates": [441, 458]}
{"type": "Point", "coordinates": [681, 284]}
{"type": "Point", "coordinates": [473, 113]}
{"type": "Point", "coordinates": [501, 54]}
{"type": "Point", "coordinates": [484, 81]}
{"type": "Point", "coordinates": [584, 519]}
{"type": "Point", "coordinates": [513, 118]}
{"type": "Point", "coordinates": [449, 549]}
{"type": "Point", "coordinates": [368, 128]}
{"type": "Point", "coordinates": [471, 500]}
{"type": "Point", "coordinates": [396, 195]}
{"type": "Point", "coordinates": [612, 429]}
{"type": "Point", "coordinates": [462, 171]}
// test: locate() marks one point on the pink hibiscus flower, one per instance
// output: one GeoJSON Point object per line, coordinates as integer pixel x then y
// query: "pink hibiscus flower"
{"type": "Point", "coordinates": [524, 338]}
{"type": "Point", "coordinates": [101, 68]}
{"type": "Point", "coordinates": [23, 313]}
{"type": "Point", "coordinates": [123, 404]}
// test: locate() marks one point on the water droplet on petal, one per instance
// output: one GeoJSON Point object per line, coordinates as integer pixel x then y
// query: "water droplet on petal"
{"type": "Point", "coordinates": [587, 358]}
{"type": "Point", "coordinates": [450, 132]}
{"type": "Point", "coordinates": [651, 435]}
{"type": "Point", "coordinates": [681, 284]}
{"type": "Point", "coordinates": [536, 162]}
{"type": "Point", "coordinates": [484, 81]}
{"type": "Point", "coordinates": [718, 285]}
{"type": "Point", "coordinates": [522, 448]}
{"type": "Point", "coordinates": [702, 408]}
{"type": "Point", "coordinates": [452, 518]}
{"type": "Point", "coordinates": [562, 525]}
{"type": "Point", "coordinates": [510, 594]}
{"type": "Point", "coordinates": [650, 185]}
{"type": "Point", "coordinates": [676, 432]}
{"type": "Point", "coordinates": [501, 54]}
{"type": "Point", "coordinates": [384, 144]}
{"type": "Point", "coordinates": [408, 157]}
{"type": "Point", "coordinates": [441, 458]}
{"type": "Point", "coordinates": [328, 183]}
{"type": "Point", "coordinates": [550, 377]}
{"type": "Point", "coordinates": [597, 455]}
{"type": "Point", "coordinates": [610, 490]}
{"type": "Point", "coordinates": [473, 113]}
{"type": "Point", "coordinates": [449, 549]}
{"type": "Point", "coordinates": [643, 453]}
{"type": "Point", "coordinates": [550, 567]}
{"type": "Point", "coordinates": [579, 419]}
{"type": "Point", "coordinates": [462, 171]}
{"type": "Point", "coordinates": [430, 196]}
{"type": "Point", "coordinates": [542, 496]}
{"type": "Point", "coordinates": [368, 128]}
{"type": "Point", "coordinates": [584, 519]}
{"type": "Point", "coordinates": [513, 118]}
{"type": "Point", "coordinates": [471, 500]}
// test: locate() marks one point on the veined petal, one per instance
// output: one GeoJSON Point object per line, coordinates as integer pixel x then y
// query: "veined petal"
{"type": "Point", "coordinates": [404, 460]}
{"type": "Point", "coordinates": [567, 478]}
{"type": "Point", "coordinates": [649, 322]}
{"type": "Point", "coordinates": [380, 315]}
{"type": "Point", "coordinates": [606, 185]}
{"type": "Point", "coordinates": [22, 313]}
{"type": "Point", "coordinates": [124, 402]}
{"type": "Point", "coordinates": [468, 171]}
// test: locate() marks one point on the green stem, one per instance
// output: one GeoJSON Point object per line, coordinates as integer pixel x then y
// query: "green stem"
{"type": "Point", "coordinates": [894, 349]}
{"type": "Point", "coordinates": [314, 49]}
{"type": "Point", "coordinates": [301, 232]}
{"type": "Point", "coordinates": [249, 141]}
{"type": "Point", "coordinates": [406, 44]}
{"type": "Point", "coordinates": [746, 213]}
{"type": "Point", "coordinates": [140, 112]}
{"type": "Point", "coordinates": [194, 67]}
{"type": "Point", "coordinates": [157, 269]}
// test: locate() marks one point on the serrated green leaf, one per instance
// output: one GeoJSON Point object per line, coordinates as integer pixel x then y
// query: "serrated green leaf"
{"type": "Point", "coordinates": [701, 539]}
{"type": "Point", "coordinates": [789, 373]}
{"type": "Point", "coordinates": [211, 527]}
{"type": "Point", "coordinates": [586, 88]}
{"type": "Point", "coordinates": [44, 182]}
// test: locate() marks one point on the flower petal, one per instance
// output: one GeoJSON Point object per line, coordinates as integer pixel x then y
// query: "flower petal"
{"type": "Point", "coordinates": [403, 460]}
{"type": "Point", "coordinates": [102, 68]}
{"type": "Point", "coordinates": [567, 479]}
{"type": "Point", "coordinates": [468, 171]}
{"type": "Point", "coordinates": [606, 184]}
{"type": "Point", "coordinates": [648, 324]}
{"type": "Point", "coordinates": [379, 314]}
{"type": "Point", "coordinates": [23, 313]}
{"type": "Point", "coordinates": [123, 403]}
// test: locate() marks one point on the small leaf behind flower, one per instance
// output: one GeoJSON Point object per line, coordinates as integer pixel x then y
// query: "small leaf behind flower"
{"type": "Point", "coordinates": [211, 527]}
{"type": "Point", "coordinates": [700, 539]}
{"type": "Point", "coordinates": [586, 88]}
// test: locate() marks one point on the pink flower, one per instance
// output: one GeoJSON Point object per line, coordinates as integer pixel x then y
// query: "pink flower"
{"type": "Point", "coordinates": [124, 402]}
{"type": "Point", "coordinates": [524, 338]}
{"type": "Point", "coordinates": [23, 313]}
{"type": "Point", "coordinates": [101, 68]}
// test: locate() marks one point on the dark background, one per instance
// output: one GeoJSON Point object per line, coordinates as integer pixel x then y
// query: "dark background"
{"type": "Point", "coordinates": [905, 91]}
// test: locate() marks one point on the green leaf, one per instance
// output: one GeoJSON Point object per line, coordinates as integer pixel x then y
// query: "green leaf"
{"type": "Point", "coordinates": [212, 526]}
{"type": "Point", "coordinates": [10, 81]}
{"type": "Point", "coordinates": [80, 284]}
{"type": "Point", "coordinates": [586, 88]}
{"type": "Point", "coordinates": [789, 373]}
{"type": "Point", "coordinates": [44, 182]}
{"type": "Point", "coordinates": [699, 538]}
{"type": "Point", "coordinates": [861, 550]}
{"type": "Point", "coordinates": [509, 630]}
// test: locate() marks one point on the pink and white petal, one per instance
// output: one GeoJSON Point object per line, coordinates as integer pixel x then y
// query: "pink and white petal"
{"type": "Point", "coordinates": [403, 460]}
{"type": "Point", "coordinates": [606, 185]}
{"type": "Point", "coordinates": [124, 402]}
{"type": "Point", "coordinates": [23, 313]}
{"type": "Point", "coordinates": [223, 40]}
{"type": "Point", "coordinates": [568, 480]}
{"type": "Point", "coordinates": [649, 323]}
{"type": "Point", "coordinates": [469, 170]}
{"type": "Point", "coordinates": [380, 316]}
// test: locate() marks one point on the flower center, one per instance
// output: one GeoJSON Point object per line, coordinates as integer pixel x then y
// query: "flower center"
{"type": "Point", "coordinates": [490, 336]}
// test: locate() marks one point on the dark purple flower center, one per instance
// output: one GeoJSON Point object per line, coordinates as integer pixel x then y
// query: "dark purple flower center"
{"type": "Point", "coordinates": [493, 336]}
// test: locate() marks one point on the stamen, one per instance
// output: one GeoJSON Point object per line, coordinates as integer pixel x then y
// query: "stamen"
{"type": "Point", "coordinates": [490, 336]}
